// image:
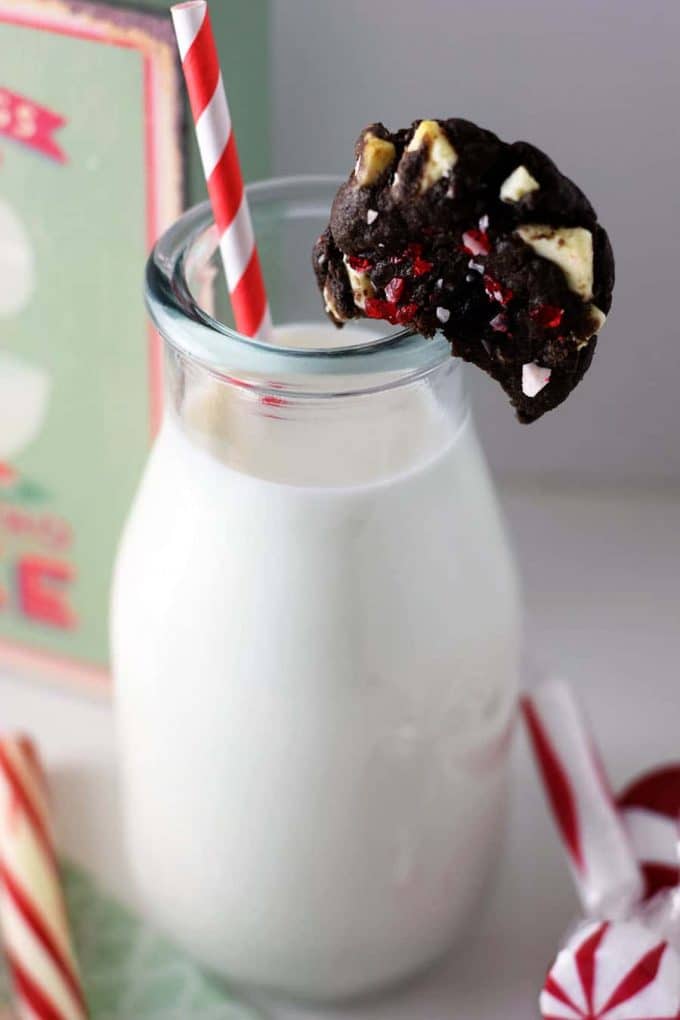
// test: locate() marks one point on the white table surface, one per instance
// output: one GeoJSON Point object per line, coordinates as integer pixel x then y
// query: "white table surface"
{"type": "Point", "coordinates": [602, 580]}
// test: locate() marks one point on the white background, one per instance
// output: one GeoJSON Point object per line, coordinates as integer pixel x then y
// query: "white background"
{"type": "Point", "coordinates": [596, 83]}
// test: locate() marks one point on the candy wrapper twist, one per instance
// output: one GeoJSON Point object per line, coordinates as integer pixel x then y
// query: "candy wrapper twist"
{"type": "Point", "coordinates": [623, 961]}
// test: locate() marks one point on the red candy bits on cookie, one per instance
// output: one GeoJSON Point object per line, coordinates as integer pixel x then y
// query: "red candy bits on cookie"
{"type": "Point", "coordinates": [444, 227]}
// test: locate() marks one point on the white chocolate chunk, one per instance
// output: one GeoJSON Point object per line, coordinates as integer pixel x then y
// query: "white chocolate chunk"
{"type": "Point", "coordinates": [330, 304]}
{"type": "Point", "coordinates": [362, 288]}
{"type": "Point", "coordinates": [570, 248]}
{"type": "Point", "coordinates": [517, 185]}
{"type": "Point", "coordinates": [597, 321]}
{"type": "Point", "coordinates": [597, 317]}
{"type": "Point", "coordinates": [375, 157]}
{"type": "Point", "coordinates": [441, 157]}
{"type": "Point", "coordinates": [534, 378]}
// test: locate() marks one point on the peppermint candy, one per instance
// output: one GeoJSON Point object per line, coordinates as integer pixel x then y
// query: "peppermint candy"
{"type": "Point", "coordinates": [650, 808]}
{"type": "Point", "coordinates": [613, 971]}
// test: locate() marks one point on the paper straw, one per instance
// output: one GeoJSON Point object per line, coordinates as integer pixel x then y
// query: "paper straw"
{"type": "Point", "coordinates": [221, 167]}
{"type": "Point", "coordinates": [602, 861]}
{"type": "Point", "coordinates": [33, 919]}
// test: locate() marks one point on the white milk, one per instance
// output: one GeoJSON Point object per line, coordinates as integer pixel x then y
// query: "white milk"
{"type": "Point", "coordinates": [315, 661]}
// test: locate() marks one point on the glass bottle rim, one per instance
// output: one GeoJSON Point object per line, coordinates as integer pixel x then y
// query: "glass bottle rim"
{"type": "Point", "coordinates": [384, 361]}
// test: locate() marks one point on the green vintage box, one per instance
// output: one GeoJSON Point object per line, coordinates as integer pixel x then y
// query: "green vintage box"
{"type": "Point", "coordinates": [92, 137]}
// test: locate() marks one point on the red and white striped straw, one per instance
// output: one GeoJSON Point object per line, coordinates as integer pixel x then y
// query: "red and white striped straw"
{"type": "Point", "coordinates": [35, 931]}
{"type": "Point", "coordinates": [602, 861]}
{"type": "Point", "coordinates": [221, 166]}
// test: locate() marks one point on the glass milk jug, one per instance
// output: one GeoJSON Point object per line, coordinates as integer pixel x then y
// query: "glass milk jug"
{"type": "Point", "coordinates": [315, 630]}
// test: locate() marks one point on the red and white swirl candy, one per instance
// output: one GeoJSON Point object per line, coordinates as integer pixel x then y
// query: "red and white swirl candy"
{"type": "Point", "coordinates": [624, 965]}
{"type": "Point", "coordinates": [613, 971]}
{"type": "Point", "coordinates": [650, 808]}
{"type": "Point", "coordinates": [33, 917]}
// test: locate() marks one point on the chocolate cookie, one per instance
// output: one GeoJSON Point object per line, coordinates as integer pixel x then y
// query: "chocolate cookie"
{"type": "Point", "coordinates": [445, 227]}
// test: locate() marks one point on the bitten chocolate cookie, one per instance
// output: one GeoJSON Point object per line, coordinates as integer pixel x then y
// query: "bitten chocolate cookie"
{"type": "Point", "coordinates": [445, 227]}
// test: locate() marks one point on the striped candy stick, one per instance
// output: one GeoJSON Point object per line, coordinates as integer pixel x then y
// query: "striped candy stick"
{"type": "Point", "coordinates": [602, 861]}
{"type": "Point", "coordinates": [33, 917]}
{"type": "Point", "coordinates": [221, 167]}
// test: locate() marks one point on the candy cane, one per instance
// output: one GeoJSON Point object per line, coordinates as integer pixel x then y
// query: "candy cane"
{"type": "Point", "coordinates": [33, 917]}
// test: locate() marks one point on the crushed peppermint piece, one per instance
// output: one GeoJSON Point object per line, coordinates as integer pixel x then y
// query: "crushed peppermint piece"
{"type": "Point", "coordinates": [477, 266]}
{"type": "Point", "coordinates": [419, 265]}
{"type": "Point", "coordinates": [371, 216]}
{"type": "Point", "coordinates": [534, 378]}
{"type": "Point", "coordinates": [443, 314]}
{"type": "Point", "coordinates": [394, 289]}
{"type": "Point", "coordinates": [546, 316]}
{"type": "Point", "coordinates": [476, 242]}
{"type": "Point", "coordinates": [359, 264]}
{"type": "Point", "coordinates": [484, 222]}
{"type": "Point", "coordinates": [496, 291]}
{"type": "Point", "coordinates": [405, 314]}
{"type": "Point", "coordinates": [376, 308]}
{"type": "Point", "coordinates": [440, 282]}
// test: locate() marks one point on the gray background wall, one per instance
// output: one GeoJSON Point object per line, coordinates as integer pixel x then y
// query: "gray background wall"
{"type": "Point", "coordinates": [594, 82]}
